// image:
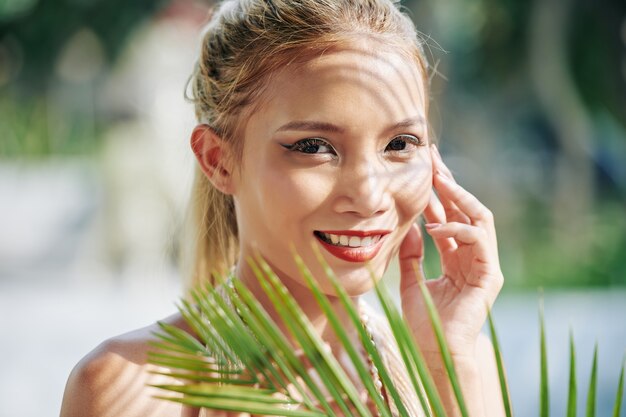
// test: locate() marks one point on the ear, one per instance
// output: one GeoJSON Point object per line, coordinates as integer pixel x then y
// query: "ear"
{"type": "Point", "coordinates": [214, 156]}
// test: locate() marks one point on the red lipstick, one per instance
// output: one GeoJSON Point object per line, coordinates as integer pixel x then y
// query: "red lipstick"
{"type": "Point", "coordinates": [350, 254]}
{"type": "Point", "coordinates": [358, 233]}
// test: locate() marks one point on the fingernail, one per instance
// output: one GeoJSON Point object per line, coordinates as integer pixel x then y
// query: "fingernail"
{"type": "Point", "coordinates": [431, 226]}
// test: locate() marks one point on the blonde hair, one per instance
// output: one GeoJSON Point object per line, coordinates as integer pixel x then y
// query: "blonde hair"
{"type": "Point", "coordinates": [245, 42]}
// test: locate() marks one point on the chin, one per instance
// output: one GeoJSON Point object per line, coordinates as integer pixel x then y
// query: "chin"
{"type": "Point", "coordinates": [356, 278]}
{"type": "Point", "coordinates": [357, 281]}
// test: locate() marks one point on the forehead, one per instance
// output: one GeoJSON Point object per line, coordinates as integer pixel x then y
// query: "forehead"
{"type": "Point", "coordinates": [359, 78]}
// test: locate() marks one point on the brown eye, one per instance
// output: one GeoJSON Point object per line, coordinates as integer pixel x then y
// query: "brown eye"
{"type": "Point", "coordinates": [311, 146]}
{"type": "Point", "coordinates": [402, 142]}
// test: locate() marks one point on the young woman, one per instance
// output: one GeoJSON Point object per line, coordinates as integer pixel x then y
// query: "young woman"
{"type": "Point", "coordinates": [313, 127]}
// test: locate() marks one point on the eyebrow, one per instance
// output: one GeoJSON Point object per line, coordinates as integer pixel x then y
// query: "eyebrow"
{"type": "Point", "coordinates": [408, 122]}
{"type": "Point", "coordinates": [311, 125]}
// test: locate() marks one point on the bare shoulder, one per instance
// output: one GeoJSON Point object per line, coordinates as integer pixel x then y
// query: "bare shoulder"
{"type": "Point", "coordinates": [112, 379]}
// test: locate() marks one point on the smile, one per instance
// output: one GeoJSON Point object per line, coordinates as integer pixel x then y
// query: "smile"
{"type": "Point", "coordinates": [352, 245]}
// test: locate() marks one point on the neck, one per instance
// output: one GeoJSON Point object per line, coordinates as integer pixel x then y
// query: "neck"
{"type": "Point", "coordinates": [307, 302]}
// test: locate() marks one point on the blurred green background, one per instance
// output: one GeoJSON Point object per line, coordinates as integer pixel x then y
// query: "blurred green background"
{"type": "Point", "coordinates": [528, 102]}
{"type": "Point", "coordinates": [533, 106]}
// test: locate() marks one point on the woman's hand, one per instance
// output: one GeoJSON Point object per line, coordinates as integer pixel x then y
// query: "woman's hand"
{"type": "Point", "coordinates": [464, 234]}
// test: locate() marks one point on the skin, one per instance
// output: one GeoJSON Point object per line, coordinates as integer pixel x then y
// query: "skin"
{"type": "Point", "coordinates": [354, 181]}
{"type": "Point", "coordinates": [370, 166]}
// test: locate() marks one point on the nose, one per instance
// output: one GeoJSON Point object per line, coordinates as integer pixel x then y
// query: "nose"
{"type": "Point", "coordinates": [363, 189]}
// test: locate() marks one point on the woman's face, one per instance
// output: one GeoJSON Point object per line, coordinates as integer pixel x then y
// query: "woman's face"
{"type": "Point", "coordinates": [336, 155]}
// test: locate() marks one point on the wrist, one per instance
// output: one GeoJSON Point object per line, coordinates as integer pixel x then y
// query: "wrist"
{"type": "Point", "coordinates": [468, 376]}
{"type": "Point", "coordinates": [466, 369]}
{"type": "Point", "coordinates": [461, 358]}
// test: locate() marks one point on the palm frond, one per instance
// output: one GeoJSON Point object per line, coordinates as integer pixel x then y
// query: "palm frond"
{"type": "Point", "coordinates": [230, 398]}
{"type": "Point", "coordinates": [421, 379]}
{"type": "Point", "coordinates": [504, 388]}
{"type": "Point", "coordinates": [278, 347]}
{"type": "Point", "coordinates": [237, 358]}
{"type": "Point", "coordinates": [328, 369]}
{"type": "Point", "coordinates": [544, 404]}
{"type": "Point", "coordinates": [355, 357]}
{"type": "Point", "coordinates": [620, 390]}
{"type": "Point", "coordinates": [571, 397]}
{"type": "Point", "coordinates": [443, 348]}
{"type": "Point", "coordinates": [591, 393]}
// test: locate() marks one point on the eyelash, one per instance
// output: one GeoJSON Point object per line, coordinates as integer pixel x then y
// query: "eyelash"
{"type": "Point", "coordinates": [303, 144]}
{"type": "Point", "coordinates": [414, 140]}
{"type": "Point", "coordinates": [300, 145]}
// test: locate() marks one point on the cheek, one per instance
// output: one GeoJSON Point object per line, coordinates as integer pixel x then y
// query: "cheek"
{"type": "Point", "coordinates": [412, 190]}
{"type": "Point", "coordinates": [295, 194]}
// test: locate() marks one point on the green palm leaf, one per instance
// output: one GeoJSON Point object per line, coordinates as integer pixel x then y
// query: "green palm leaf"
{"type": "Point", "coordinates": [238, 359]}
{"type": "Point", "coordinates": [445, 353]}
{"type": "Point", "coordinates": [360, 367]}
{"type": "Point", "coordinates": [591, 393]}
{"type": "Point", "coordinates": [229, 398]}
{"type": "Point", "coordinates": [504, 388]}
{"type": "Point", "coordinates": [544, 405]}
{"type": "Point", "coordinates": [618, 396]}
{"type": "Point", "coordinates": [424, 386]}
{"type": "Point", "coordinates": [571, 397]}
{"type": "Point", "coordinates": [326, 365]}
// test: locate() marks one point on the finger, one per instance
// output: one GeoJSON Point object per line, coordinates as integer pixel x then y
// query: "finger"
{"type": "Point", "coordinates": [465, 234]}
{"type": "Point", "coordinates": [453, 213]}
{"type": "Point", "coordinates": [434, 213]}
{"type": "Point", "coordinates": [411, 256]}
{"type": "Point", "coordinates": [464, 200]}
{"type": "Point", "coordinates": [440, 165]}
{"type": "Point", "coordinates": [485, 266]}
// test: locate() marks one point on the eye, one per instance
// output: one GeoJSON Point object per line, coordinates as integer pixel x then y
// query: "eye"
{"type": "Point", "coordinates": [311, 146]}
{"type": "Point", "coordinates": [403, 143]}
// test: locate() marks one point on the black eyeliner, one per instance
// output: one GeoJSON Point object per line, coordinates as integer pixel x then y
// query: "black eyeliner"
{"type": "Point", "coordinates": [413, 138]}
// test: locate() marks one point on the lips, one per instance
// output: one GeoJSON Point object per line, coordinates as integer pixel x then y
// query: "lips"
{"type": "Point", "coordinates": [352, 245]}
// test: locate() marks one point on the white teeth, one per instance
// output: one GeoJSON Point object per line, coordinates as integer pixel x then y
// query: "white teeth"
{"type": "Point", "coordinates": [351, 241]}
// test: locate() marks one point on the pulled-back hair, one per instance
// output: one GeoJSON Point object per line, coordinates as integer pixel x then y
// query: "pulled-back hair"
{"type": "Point", "coordinates": [246, 42]}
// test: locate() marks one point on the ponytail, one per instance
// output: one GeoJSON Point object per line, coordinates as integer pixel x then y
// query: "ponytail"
{"type": "Point", "coordinates": [211, 234]}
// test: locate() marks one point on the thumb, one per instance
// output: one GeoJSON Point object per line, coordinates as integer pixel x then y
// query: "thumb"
{"type": "Point", "coordinates": [410, 257]}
